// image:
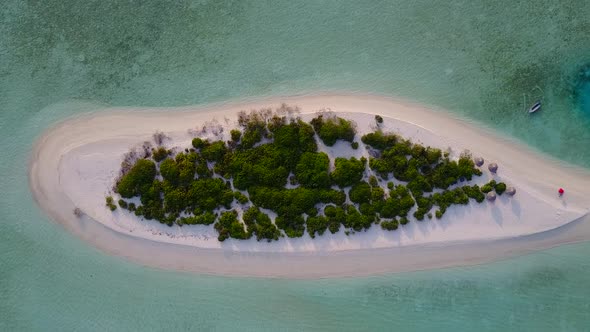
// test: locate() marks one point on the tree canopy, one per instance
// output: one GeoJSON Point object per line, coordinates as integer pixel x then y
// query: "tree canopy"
{"type": "Point", "coordinates": [332, 128]}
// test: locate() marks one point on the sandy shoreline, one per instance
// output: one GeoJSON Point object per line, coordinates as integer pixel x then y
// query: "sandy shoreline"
{"type": "Point", "coordinates": [538, 176]}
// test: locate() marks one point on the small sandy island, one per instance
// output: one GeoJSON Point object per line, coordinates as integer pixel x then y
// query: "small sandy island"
{"type": "Point", "coordinates": [75, 164]}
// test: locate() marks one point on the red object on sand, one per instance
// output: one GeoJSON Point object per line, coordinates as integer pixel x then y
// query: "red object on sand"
{"type": "Point", "coordinates": [561, 191]}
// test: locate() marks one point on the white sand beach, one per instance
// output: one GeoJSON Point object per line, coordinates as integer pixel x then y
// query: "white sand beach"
{"type": "Point", "coordinates": [75, 163]}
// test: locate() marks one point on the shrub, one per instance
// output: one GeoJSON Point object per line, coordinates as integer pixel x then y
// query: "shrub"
{"type": "Point", "coordinates": [367, 209]}
{"type": "Point", "coordinates": [138, 179]}
{"type": "Point", "coordinates": [438, 214]}
{"type": "Point", "coordinates": [377, 194]}
{"type": "Point", "coordinates": [336, 217]}
{"type": "Point", "coordinates": [297, 136]}
{"type": "Point", "coordinates": [354, 145]}
{"type": "Point", "coordinates": [474, 192]}
{"type": "Point", "coordinates": [203, 170]}
{"type": "Point", "coordinates": [206, 218]}
{"type": "Point", "coordinates": [332, 129]}
{"type": "Point", "coordinates": [293, 225]}
{"type": "Point", "coordinates": [373, 181]}
{"type": "Point", "coordinates": [316, 225]}
{"type": "Point", "coordinates": [235, 135]}
{"type": "Point", "coordinates": [186, 167]}
{"type": "Point", "coordinates": [123, 204]}
{"type": "Point", "coordinates": [199, 143]}
{"type": "Point", "coordinates": [393, 207]}
{"type": "Point", "coordinates": [433, 156]}
{"type": "Point", "coordinates": [390, 225]}
{"type": "Point", "coordinates": [486, 188]}
{"type": "Point", "coordinates": [214, 151]}
{"type": "Point", "coordinates": [228, 225]}
{"type": "Point", "coordinates": [169, 170]}
{"type": "Point", "coordinates": [420, 213]}
{"type": "Point", "coordinates": [251, 137]}
{"type": "Point", "coordinates": [378, 119]}
{"type": "Point", "coordinates": [347, 171]}
{"type": "Point", "coordinates": [459, 196]}
{"type": "Point", "coordinates": [360, 193]}
{"type": "Point", "coordinates": [160, 154]}
{"type": "Point", "coordinates": [312, 212]}
{"type": "Point", "coordinates": [419, 185]}
{"type": "Point", "coordinates": [312, 170]}
{"type": "Point", "coordinates": [110, 204]}
{"type": "Point", "coordinates": [260, 225]}
{"type": "Point", "coordinates": [241, 198]}
{"type": "Point", "coordinates": [207, 194]}
{"type": "Point", "coordinates": [380, 141]}
{"type": "Point", "coordinates": [337, 197]}
{"type": "Point", "coordinates": [356, 220]}
{"type": "Point", "coordinates": [265, 165]}
{"type": "Point", "coordinates": [255, 128]}
{"type": "Point", "coordinates": [500, 188]}
{"type": "Point", "coordinates": [398, 204]}
{"type": "Point", "coordinates": [403, 220]}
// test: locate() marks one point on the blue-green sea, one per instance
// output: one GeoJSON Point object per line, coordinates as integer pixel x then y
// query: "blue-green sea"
{"type": "Point", "coordinates": [484, 60]}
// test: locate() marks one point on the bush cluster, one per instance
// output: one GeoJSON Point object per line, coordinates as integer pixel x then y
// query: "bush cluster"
{"type": "Point", "coordinates": [348, 171]}
{"type": "Point", "coordinates": [205, 218]}
{"type": "Point", "coordinates": [138, 180]}
{"type": "Point", "coordinates": [332, 128]}
{"type": "Point", "coordinates": [160, 154]}
{"type": "Point", "coordinates": [313, 170]}
{"type": "Point", "coordinates": [390, 225]}
{"type": "Point", "coordinates": [499, 187]}
{"type": "Point", "coordinates": [268, 151]}
{"type": "Point", "coordinates": [290, 204]}
{"type": "Point", "coordinates": [228, 226]}
{"type": "Point", "coordinates": [260, 225]}
{"type": "Point", "coordinates": [110, 204]}
{"type": "Point", "coordinates": [424, 168]}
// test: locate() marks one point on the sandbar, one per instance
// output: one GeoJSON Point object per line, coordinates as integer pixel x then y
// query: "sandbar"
{"type": "Point", "coordinates": [74, 164]}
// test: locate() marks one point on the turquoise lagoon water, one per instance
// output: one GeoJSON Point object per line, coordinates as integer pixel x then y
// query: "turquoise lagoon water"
{"type": "Point", "coordinates": [484, 60]}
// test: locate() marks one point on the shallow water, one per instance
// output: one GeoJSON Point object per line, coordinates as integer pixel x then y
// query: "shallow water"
{"type": "Point", "coordinates": [483, 60]}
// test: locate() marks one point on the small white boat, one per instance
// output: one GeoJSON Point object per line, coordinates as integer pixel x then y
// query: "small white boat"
{"type": "Point", "coordinates": [536, 106]}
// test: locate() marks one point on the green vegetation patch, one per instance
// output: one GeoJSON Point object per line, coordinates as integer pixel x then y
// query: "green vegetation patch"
{"type": "Point", "coordinates": [260, 225]}
{"type": "Point", "coordinates": [313, 170]}
{"type": "Point", "coordinates": [332, 128]}
{"type": "Point", "coordinates": [228, 226]}
{"type": "Point", "coordinates": [110, 204]}
{"type": "Point", "coordinates": [348, 171]}
{"type": "Point", "coordinates": [214, 180]}
{"type": "Point", "coordinates": [138, 180]}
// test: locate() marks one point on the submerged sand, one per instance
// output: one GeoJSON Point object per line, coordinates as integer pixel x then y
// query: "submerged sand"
{"type": "Point", "coordinates": [74, 165]}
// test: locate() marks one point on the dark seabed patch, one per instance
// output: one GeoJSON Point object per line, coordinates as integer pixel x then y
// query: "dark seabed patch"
{"type": "Point", "coordinates": [582, 90]}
